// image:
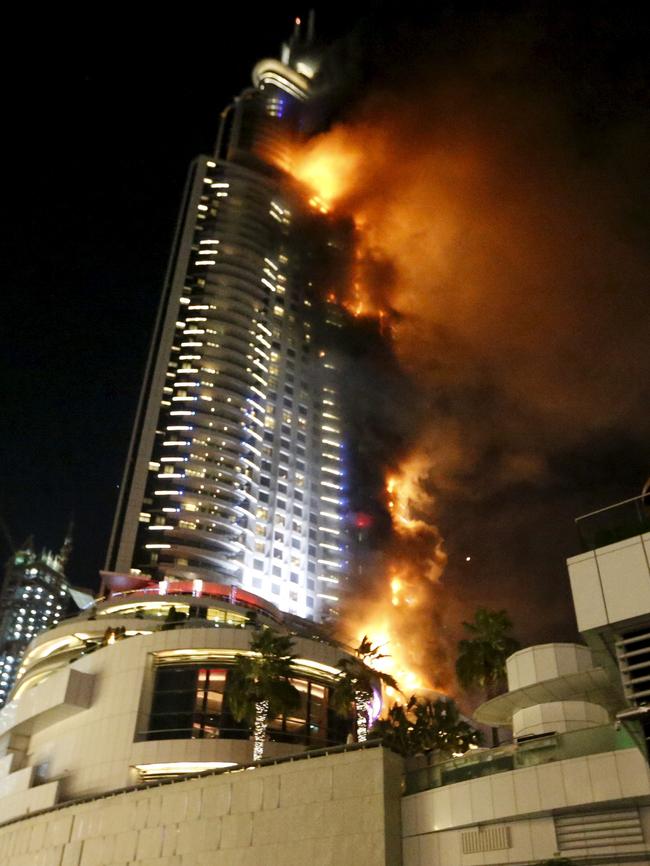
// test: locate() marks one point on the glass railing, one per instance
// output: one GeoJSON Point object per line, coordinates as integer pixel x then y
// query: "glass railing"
{"type": "Point", "coordinates": [614, 523]}
{"type": "Point", "coordinates": [530, 753]}
{"type": "Point", "coordinates": [311, 741]}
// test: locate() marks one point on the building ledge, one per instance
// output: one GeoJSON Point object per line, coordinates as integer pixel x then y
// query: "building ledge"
{"type": "Point", "coordinates": [63, 694]}
{"type": "Point", "coordinates": [594, 686]}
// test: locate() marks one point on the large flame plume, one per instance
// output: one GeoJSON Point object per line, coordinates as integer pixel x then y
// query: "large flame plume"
{"type": "Point", "coordinates": [507, 271]}
{"type": "Point", "coordinates": [399, 612]}
{"type": "Point", "coordinates": [399, 616]}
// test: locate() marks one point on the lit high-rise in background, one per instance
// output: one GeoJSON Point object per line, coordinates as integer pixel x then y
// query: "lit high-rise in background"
{"type": "Point", "coordinates": [235, 471]}
{"type": "Point", "coordinates": [35, 595]}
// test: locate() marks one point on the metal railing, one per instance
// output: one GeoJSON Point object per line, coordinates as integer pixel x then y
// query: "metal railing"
{"type": "Point", "coordinates": [615, 522]}
{"type": "Point", "coordinates": [275, 735]}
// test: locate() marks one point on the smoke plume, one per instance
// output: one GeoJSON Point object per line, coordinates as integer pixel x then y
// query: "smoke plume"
{"type": "Point", "coordinates": [495, 177]}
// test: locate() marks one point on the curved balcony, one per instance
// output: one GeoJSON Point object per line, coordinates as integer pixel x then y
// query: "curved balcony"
{"type": "Point", "coordinates": [210, 558]}
{"type": "Point", "coordinates": [237, 338]}
{"type": "Point", "coordinates": [240, 324]}
{"type": "Point", "coordinates": [223, 492]}
{"type": "Point", "coordinates": [202, 536]}
{"type": "Point", "coordinates": [226, 526]}
{"type": "Point", "coordinates": [247, 291]}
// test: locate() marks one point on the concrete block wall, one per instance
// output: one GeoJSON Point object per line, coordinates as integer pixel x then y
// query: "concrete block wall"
{"type": "Point", "coordinates": [338, 810]}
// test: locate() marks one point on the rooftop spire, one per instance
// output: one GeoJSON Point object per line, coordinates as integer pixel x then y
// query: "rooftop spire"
{"type": "Point", "coordinates": [66, 547]}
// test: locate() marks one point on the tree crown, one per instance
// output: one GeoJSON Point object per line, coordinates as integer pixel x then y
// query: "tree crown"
{"type": "Point", "coordinates": [263, 676]}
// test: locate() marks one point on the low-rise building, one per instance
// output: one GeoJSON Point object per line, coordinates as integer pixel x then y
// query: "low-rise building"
{"type": "Point", "coordinates": [118, 736]}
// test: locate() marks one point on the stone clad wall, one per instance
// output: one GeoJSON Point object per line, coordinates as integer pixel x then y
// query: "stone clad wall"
{"type": "Point", "coordinates": [338, 810]}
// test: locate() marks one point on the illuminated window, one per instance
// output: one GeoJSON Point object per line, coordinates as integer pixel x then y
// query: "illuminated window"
{"type": "Point", "coordinates": [189, 703]}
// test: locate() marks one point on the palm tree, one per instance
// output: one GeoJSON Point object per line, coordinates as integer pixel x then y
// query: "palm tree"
{"type": "Point", "coordinates": [396, 729]}
{"type": "Point", "coordinates": [424, 726]}
{"type": "Point", "coordinates": [259, 687]}
{"type": "Point", "coordinates": [355, 685]}
{"type": "Point", "coordinates": [482, 658]}
{"type": "Point", "coordinates": [439, 727]}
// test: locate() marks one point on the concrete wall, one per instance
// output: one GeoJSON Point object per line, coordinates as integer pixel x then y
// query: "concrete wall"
{"type": "Point", "coordinates": [534, 664]}
{"type": "Point", "coordinates": [612, 584]}
{"type": "Point", "coordinates": [518, 804]}
{"type": "Point", "coordinates": [95, 749]}
{"type": "Point", "coordinates": [557, 717]}
{"type": "Point", "coordinates": [339, 810]}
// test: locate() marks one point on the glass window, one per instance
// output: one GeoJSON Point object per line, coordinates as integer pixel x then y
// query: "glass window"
{"type": "Point", "coordinates": [191, 702]}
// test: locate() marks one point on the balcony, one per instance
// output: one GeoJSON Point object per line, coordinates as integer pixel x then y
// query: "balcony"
{"type": "Point", "coordinates": [540, 750]}
{"type": "Point", "coordinates": [615, 522]}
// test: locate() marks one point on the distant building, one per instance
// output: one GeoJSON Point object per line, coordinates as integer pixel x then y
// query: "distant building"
{"type": "Point", "coordinates": [35, 596]}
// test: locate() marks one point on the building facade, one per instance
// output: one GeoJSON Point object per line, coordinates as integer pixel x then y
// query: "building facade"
{"type": "Point", "coordinates": [136, 688]}
{"type": "Point", "coordinates": [574, 783]}
{"type": "Point", "coordinates": [35, 596]}
{"type": "Point", "coordinates": [236, 465]}
{"type": "Point", "coordinates": [118, 738]}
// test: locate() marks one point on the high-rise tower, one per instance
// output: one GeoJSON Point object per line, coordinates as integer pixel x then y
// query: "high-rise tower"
{"type": "Point", "coordinates": [34, 596]}
{"type": "Point", "coordinates": [235, 470]}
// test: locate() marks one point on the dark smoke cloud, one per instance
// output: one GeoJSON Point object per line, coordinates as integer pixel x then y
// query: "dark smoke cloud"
{"type": "Point", "coordinates": [503, 183]}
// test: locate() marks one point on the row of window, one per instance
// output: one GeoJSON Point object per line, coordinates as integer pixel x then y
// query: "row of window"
{"type": "Point", "coordinates": [192, 702]}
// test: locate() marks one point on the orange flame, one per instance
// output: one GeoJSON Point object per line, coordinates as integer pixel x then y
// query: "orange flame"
{"type": "Point", "coordinates": [397, 617]}
{"type": "Point", "coordinates": [473, 223]}
{"type": "Point", "coordinates": [329, 166]}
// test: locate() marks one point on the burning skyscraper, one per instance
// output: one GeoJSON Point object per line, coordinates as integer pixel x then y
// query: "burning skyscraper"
{"type": "Point", "coordinates": [235, 472]}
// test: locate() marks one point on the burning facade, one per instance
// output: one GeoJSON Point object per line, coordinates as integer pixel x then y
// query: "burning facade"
{"type": "Point", "coordinates": [265, 429]}
{"type": "Point", "coordinates": [415, 282]}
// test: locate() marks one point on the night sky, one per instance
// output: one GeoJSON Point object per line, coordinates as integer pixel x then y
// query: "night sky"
{"type": "Point", "coordinates": [101, 132]}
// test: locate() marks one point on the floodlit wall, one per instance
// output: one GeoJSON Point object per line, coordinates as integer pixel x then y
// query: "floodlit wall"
{"type": "Point", "coordinates": [611, 585]}
{"type": "Point", "coordinates": [339, 809]}
{"type": "Point", "coordinates": [534, 664]}
{"type": "Point", "coordinates": [80, 729]}
{"type": "Point", "coordinates": [507, 817]}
